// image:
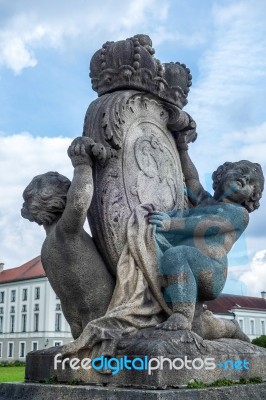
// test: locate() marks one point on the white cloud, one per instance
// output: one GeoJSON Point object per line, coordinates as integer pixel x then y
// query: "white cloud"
{"type": "Point", "coordinates": [21, 158]}
{"type": "Point", "coordinates": [227, 99]}
{"type": "Point", "coordinates": [15, 55]}
{"type": "Point", "coordinates": [162, 34]}
{"type": "Point", "coordinates": [24, 33]}
{"type": "Point", "coordinates": [232, 72]}
{"type": "Point", "coordinates": [250, 143]}
{"type": "Point", "coordinates": [255, 278]}
{"type": "Point", "coordinates": [244, 144]}
{"type": "Point", "coordinates": [136, 13]}
{"type": "Point", "coordinates": [51, 25]}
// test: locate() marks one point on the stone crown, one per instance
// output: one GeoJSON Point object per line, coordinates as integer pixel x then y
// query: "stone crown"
{"type": "Point", "coordinates": [130, 64]}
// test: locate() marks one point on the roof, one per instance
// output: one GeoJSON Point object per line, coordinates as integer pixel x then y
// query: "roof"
{"type": "Point", "coordinates": [225, 302]}
{"type": "Point", "coordinates": [30, 270]}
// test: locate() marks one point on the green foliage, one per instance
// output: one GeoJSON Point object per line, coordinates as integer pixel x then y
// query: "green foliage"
{"type": "Point", "coordinates": [223, 382]}
{"type": "Point", "coordinates": [244, 381]}
{"type": "Point", "coordinates": [15, 363]}
{"type": "Point", "coordinates": [74, 382]}
{"type": "Point", "coordinates": [255, 379]}
{"type": "Point", "coordinates": [53, 380]}
{"type": "Point", "coordinates": [194, 384]}
{"type": "Point", "coordinates": [260, 341]}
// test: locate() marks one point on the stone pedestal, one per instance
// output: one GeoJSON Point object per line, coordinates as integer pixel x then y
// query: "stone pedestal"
{"type": "Point", "coordinates": [33, 391]}
{"type": "Point", "coordinates": [174, 355]}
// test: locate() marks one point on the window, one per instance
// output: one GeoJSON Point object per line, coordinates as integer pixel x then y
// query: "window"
{"type": "Point", "coordinates": [2, 297]}
{"type": "Point", "coordinates": [10, 348]}
{"type": "Point", "coordinates": [1, 323]}
{"type": "Point", "coordinates": [1, 346]}
{"type": "Point", "coordinates": [37, 293]}
{"type": "Point", "coordinates": [56, 344]}
{"type": "Point", "coordinates": [57, 298]}
{"type": "Point", "coordinates": [12, 309]}
{"type": "Point", "coordinates": [262, 327]}
{"type": "Point", "coordinates": [241, 324]}
{"type": "Point", "coordinates": [24, 308]}
{"type": "Point", "coordinates": [12, 323]}
{"type": "Point", "coordinates": [57, 322]}
{"type": "Point", "coordinates": [252, 326]}
{"type": "Point", "coordinates": [13, 295]}
{"type": "Point", "coordinates": [58, 307]}
{"type": "Point", "coordinates": [22, 347]}
{"type": "Point", "coordinates": [36, 307]}
{"type": "Point", "coordinates": [1, 310]}
{"type": "Point", "coordinates": [23, 323]}
{"type": "Point", "coordinates": [24, 294]}
{"type": "Point", "coordinates": [34, 346]}
{"type": "Point", "coordinates": [36, 322]}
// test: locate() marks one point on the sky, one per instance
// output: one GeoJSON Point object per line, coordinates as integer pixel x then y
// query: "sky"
{"type": "Point", "coordinates": [45, 49]}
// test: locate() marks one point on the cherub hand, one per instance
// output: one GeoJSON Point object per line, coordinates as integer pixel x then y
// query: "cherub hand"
{"type": "Point", "coordinates": [99, 152]}
{"type": "Point", "coordinates": [79, 151]}
{"type": "Point", "coordinates": [187, 135]}
{"type": "Point", "coordinates": [181, 140]}
{"type": "Point", "coordinates": [161, 220]}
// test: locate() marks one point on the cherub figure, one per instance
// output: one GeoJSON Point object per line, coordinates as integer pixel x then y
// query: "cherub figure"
{"type": "Point", "coordinates": [69, 256]}
{"type": "Point", "coordinates": [195, 265]}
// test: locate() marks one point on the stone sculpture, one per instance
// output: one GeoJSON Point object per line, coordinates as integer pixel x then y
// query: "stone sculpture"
{"type": "Point", "coordinates": [195, 263]}
{"type": "Point", "coordinates": [145, 205]}
{"type": "Point", "coordinates": [69, 255]}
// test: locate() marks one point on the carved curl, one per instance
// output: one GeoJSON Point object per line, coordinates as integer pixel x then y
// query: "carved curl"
{"type": "Point", "coordinates": [45, 198]}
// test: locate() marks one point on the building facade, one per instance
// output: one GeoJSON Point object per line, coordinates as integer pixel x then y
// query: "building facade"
{"type": "Point", "coordinates": [30, 312]}
{"type": "Point", "coordinates": [250, 312]}
{"type": "Point", "coordinates": [31, 316]}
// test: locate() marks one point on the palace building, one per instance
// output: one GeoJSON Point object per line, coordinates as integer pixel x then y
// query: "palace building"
{"type": "Point", "coordinates": [30, 313]}
{"type": "Point", "coordinates": [31, 316]}
{"type": "Point", "coordinates": [250, 312]}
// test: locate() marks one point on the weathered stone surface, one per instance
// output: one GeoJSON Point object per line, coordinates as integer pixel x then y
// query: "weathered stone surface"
{"type": "Point", "coordinates": [40, 364]}
{"type": "Point", "coordinates": [145, 170]}
{"type": "Point", "coordinates": [26, 391]}
{"type": "Point", "coordinates": [69, 255]}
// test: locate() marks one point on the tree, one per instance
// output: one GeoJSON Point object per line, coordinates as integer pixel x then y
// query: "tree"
{"type": "Point", "coordinates": [260, 341]}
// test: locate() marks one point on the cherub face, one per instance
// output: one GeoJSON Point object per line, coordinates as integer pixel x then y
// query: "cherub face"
{"type": "Point", "coordinates": [25, 211]}
{"type": "Point", "coordinates": [240, 185]}
{"type": "Point", "coordinates": [36, 210]}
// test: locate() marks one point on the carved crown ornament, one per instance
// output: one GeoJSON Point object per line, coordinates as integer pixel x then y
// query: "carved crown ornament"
{"type": "Point", "coordinates": [130, 64]}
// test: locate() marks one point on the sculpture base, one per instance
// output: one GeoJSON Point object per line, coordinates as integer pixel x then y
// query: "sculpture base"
{"type": "Point", "coordinates": [33, 391]}
{"type": "Point", "coordinates": [168, 359]}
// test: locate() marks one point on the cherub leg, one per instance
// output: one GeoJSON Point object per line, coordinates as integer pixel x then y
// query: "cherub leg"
{"type": "Point", "coordinates": [181, 290]}
{"type": "Point", "coordinates": [211, 281]}
{"type": "Point", "coordinates": [206, 325]}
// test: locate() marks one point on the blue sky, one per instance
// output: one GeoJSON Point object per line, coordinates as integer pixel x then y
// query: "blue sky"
{"type": "Point", "coordinates": [45, 49]}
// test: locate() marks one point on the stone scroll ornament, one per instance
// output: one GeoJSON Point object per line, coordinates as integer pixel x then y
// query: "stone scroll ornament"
{"type": "Point", "coordinates": [147, 210]}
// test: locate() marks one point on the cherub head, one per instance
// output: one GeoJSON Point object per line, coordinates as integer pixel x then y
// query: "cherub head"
{"type": "Point", "coordinates": [240, 182]}
{"type": "Point", "coordinates": [45, 198]}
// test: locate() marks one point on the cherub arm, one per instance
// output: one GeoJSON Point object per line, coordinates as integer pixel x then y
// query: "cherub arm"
{"type": "Point", "coordinates": [196, 193]}
{"type": "Point", "coordinates": [231, 220]}
{"type": "Point", "coordinates": [80, 193]}
{"type": "Point", "coordinates": [188, 134]}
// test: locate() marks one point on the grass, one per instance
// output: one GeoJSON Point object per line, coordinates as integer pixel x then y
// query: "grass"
{"type": "Point", "coordinates": [194, 384]}
{"type": "Point", "coordinates": [12, 374]}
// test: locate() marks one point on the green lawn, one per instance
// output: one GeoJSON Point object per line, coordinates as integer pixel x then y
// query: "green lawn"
{"type": "Point", "coordinates": [12, 374]}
